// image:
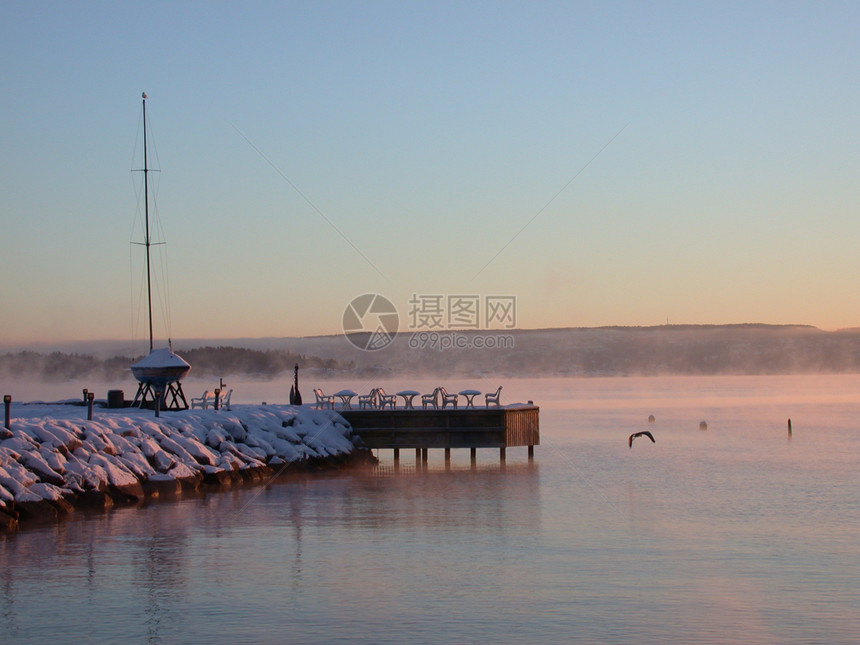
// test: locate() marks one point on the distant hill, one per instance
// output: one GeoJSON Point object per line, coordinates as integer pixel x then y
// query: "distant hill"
{"type": "Point", "coordinates": [601, 351]}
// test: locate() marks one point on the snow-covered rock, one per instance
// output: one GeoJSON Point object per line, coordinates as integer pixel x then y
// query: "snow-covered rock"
{"type": "Point", "coordinates": [53, 453]}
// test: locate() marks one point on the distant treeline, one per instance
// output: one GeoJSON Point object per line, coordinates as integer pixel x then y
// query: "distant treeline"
{"type": "Point", "coordinates": [205, 361]}
{"type": "Point", "coordinates": [219, 361]}
{"type": "Point", "coordinates": [607, 351]}
{"type": "Point", "coordinates": [646, 351]}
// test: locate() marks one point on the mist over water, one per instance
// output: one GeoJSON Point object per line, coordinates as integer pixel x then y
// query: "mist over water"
{"type": "Point", "coordinates": [737, 533]}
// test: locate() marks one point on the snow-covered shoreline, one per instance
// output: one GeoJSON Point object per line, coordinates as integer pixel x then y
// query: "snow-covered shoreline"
{"type": "Point", "coordinates": [53, 459]}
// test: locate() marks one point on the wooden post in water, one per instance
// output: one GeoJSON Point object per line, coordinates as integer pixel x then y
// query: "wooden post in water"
{"type": "Point", "coordinates": [473, 455]}
{"type": "Point", "coordinates": [502, 454]}
{"type": "Point", "coordinates": [90, 397]}
{"type": "Point", "coordinates": [531, 453]}
{"type": "Point", "coordinates": [396, 455]}
{"type": "Point", "coordinates": [447, 455]}
{"type": "Point", "coordinates": [424, 454]}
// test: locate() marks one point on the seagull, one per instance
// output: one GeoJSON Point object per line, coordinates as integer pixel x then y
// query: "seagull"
{"type": "Point", "coordinates": [644, 433]}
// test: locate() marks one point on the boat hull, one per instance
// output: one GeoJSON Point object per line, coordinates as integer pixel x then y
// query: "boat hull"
{"type": "Point", "coordinates": [160, 368]}
{"type": "Point", "coordinates": [160, 376]}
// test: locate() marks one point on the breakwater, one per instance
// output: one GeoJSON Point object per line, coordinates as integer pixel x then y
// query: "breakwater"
{"type": "Point", "coordinates": [54, 460]}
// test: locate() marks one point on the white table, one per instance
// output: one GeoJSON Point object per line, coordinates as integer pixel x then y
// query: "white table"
{"type": "Point", "coordinates": [346, 398]}
{"type": "Point", "coordinates": [408, 395]}
{"type": "Point", "coordinates": [470, 397]}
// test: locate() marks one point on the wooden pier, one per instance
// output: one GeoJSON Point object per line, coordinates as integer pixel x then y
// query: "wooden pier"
{"type": "Point", "coordinates": [495, 427]}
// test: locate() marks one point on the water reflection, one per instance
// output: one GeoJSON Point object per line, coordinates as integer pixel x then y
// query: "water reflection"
{"type": "Point", "coordinates": [160, 575]}
{"type": "Point", "coordinates": [734, 534]}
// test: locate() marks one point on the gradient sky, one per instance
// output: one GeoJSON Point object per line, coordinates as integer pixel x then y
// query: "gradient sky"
{"type": "Point", "coordinates": [314, 151]}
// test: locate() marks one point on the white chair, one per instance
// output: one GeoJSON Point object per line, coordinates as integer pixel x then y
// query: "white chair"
{"type": "Point", "coordinates": [448, 398]}
{"type": "Point", "coordinates": [430, 399]}
{"type": "Point", "coordinates": [225, 400]}
{"type": "Point", "coordinates": [324, 400]}
{"type": "Point", "coordinates": [385, 399]}
{"type": "Point", "coordinates": [367, 400]}
{"type": "Point", "coordinates": [494, 397]}
{"type": "Point", "coordinates": [201, 402]}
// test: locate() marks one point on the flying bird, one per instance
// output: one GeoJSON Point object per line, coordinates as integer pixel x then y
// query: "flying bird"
{"type": "Point", "coordinates": [644, 433]}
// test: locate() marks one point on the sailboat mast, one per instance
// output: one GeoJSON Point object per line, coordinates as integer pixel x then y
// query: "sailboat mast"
{"type": "Point", "coordinates": [146, 212]}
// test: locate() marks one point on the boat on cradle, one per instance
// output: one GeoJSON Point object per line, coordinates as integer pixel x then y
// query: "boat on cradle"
{"type": "Point", "coordinates": [159, 374]}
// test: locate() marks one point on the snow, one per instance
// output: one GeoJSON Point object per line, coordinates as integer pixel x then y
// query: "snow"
{"type": "Point", "coordinates": [161, 358]}
{"type": "Point", "coordinates": [55, 452]}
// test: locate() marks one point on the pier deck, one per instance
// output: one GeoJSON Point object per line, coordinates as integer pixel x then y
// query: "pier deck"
{"type": "Point", "coordinates": [494, 427]}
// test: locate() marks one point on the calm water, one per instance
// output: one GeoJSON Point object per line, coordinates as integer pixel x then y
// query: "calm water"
{"type": "Point", "coordinates": [734, 534]}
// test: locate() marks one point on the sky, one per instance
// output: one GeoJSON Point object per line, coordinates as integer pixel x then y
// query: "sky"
{"type": "Point", "coordinates": [603, 163]}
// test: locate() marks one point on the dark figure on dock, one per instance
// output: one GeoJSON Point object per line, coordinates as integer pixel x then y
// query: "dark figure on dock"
{"type": "Point", "coordinates": [644, 433]}
{"type": "Point", "coordinates": [295, 395]}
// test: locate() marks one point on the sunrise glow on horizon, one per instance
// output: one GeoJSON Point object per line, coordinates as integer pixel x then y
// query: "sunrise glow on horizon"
{"type": "Point", "coordinates": [604, 164]}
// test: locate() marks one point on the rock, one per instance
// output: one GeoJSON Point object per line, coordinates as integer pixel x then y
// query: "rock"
{"type": "Point", "coordinates": [215, 436]}
{"type": "Point", "coordinates": [217, 476]}
{"type": "Point", "coordinates": [39, 467]}
{"type": "Point", "coordinates": [6, 497]}
{"type": "Point", "coordinates": [201, 454]}
{"type": "Point", "coordinates": [137, 464]}
{"type": "Point", "coordinates": [162, 462]}
{"type": "Point", "coordinates": [160, 485]}
{"type": "Point", "coordinates": [117, 473]}
{"type": "Point", "coordinates": [54, 458]}
{"type": "Point", "coordinates": [94, 499]}
{"type": "Point", "coordinates": [86, 476]}
{"type": "Point", "coordinates": [48, 492]}
{"type": "Point", "coordinates": [127, 493]}
{"type": "Point", "coordinates": [177, 449]}
{"type": "Point", "coordinates": [39, 510]}
{"type": "Point", "coordinates": [96, 442]}
{"type": "Point", "coordinates": [19, 444]}
{"type": "Point", "coordinates": [57, 437]}
{"type": "Point", "coordinates": [236, 430]}
{"type": "Point", "coordinates": [189, 478]}
{"type": "Point", "coordinates": [8, 522]}
{"type": "Point", "coordinates": [7, 455]}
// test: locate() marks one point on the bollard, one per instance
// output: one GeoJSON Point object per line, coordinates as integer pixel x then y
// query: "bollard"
{"type": "Point", "coordinates": [86, 391]}
{"type": "Point", "coordinates": [7, 401]}
{"type": "Point", "coordinates": [90, 397]}
{"type": "Point", "coordinates": [217, 397]}
{"type": "Point", "coordinates": [158, 395]}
